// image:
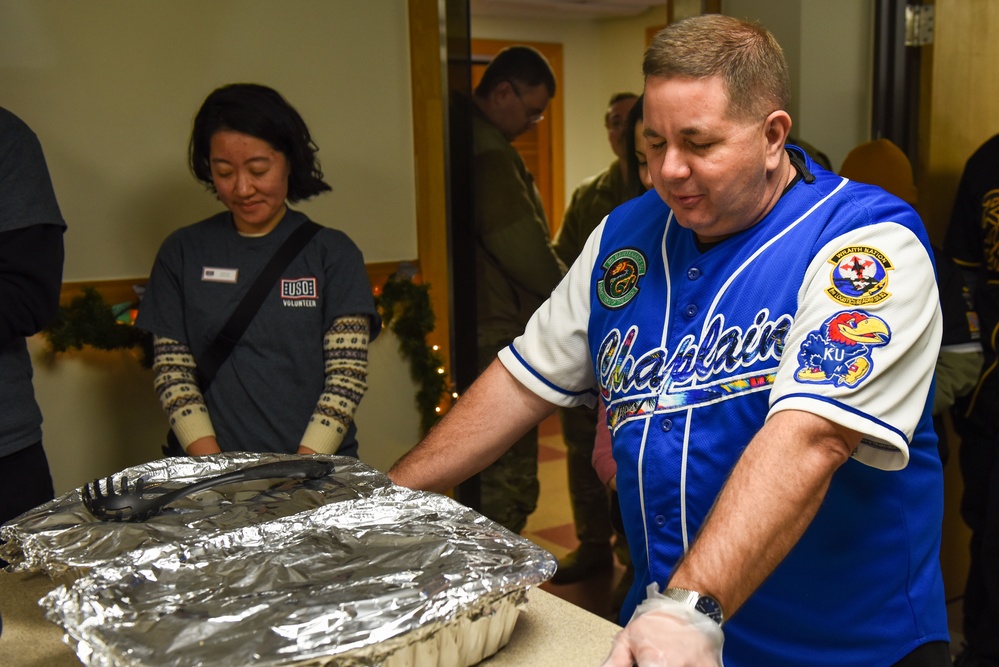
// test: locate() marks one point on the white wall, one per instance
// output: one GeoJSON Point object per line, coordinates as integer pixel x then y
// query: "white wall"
{"type": "Point", "coordinates": [111, 88]}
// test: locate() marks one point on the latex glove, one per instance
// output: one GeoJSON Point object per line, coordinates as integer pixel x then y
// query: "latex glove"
{"type": "Point", "coordinates": [667, 633]}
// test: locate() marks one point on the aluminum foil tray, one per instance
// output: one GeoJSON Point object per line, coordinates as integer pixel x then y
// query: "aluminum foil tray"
{"type": "Point", "coordinates": [376, 575]}
{"type": "Point", "coordinates": [62, 539]}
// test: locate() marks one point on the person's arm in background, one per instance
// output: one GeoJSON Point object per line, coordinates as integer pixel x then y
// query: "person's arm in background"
{"type": "Point", "coordinates": [31, 243]}
{"type": "Point", "coordinates": [960, 359]}
{"type": "Point", "coordinates": [345, 352]}
{"type": "Point", "coordinates": [175, 378]}
{"type": "Point", "coordinates": [568, 241]}
{"type": "Point", "coordinates": [509, 227]}
{"type": "Point", "coordinates": [31, 262]}
{"type": "Point", "coordinates": [603, 454]}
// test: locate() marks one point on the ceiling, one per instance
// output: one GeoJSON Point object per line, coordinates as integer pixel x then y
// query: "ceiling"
{"type": "Point", "coordinates": [560, 9]}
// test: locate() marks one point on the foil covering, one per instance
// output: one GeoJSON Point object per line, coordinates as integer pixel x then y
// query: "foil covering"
{"type": "Point", "coordinates": [62, 538]}
{"type": "Point", "coordinates": [345, 570]}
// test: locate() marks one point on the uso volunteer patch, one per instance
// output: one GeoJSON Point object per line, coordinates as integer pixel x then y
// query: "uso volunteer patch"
{"type": "Point", "coordinates": [622, 271]}
{"type": "Point", "coordinates": [859, 276]}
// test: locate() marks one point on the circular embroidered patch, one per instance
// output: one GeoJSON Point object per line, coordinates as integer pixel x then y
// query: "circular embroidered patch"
{"type": "Point", "coordinates": [859, 276]}
{"type": "Point", "coordinates": [622, 271]}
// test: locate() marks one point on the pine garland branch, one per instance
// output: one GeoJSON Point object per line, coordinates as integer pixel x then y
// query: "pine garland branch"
{"type": "Point", "coordinates": [89, 320]}
{"type": "Point", "coordinates": [405, 309]}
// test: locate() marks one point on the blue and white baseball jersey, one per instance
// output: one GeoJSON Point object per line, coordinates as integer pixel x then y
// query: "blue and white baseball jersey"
{"type": "Point", "coordinates": [828, 305]}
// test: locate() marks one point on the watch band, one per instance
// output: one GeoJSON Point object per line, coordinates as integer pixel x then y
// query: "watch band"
{"type": "Point", "coordinates": [705, 604]}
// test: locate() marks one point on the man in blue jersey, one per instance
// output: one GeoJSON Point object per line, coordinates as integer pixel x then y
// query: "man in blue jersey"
{"type": "Point", "coordinates": [762, 333]}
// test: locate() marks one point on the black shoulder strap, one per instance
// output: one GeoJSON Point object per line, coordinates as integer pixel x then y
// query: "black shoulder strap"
{"type": "Point", "coordinates": [247, 309]}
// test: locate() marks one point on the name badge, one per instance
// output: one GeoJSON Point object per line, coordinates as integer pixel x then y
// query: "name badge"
{"type": "Point", "coordinates": [212, 274]}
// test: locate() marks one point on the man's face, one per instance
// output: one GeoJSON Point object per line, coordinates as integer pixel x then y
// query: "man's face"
{"type": "Point", "coordinates": [518, 107]}
{"type": "Point", "coordinates": [617, 124]}
{"type": "Point", "coordinates": [709, 168]}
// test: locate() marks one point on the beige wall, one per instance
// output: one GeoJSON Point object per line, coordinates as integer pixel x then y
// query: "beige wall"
{"type": "Point", "coordinates": [111, 88]}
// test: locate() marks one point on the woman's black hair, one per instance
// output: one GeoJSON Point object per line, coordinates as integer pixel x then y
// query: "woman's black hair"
{"type": "Point", "coordinates": [634, 186]}
{"type": "Point", "coordinates": [260, 112]}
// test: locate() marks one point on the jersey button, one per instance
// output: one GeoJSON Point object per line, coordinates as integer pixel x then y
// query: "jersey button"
{"type": "Point", "coordinates": [693, 273]}
{"type": "Point", "coordinates": [666, 424]}
{"type": "Point", "coordinates": [660, 520]}
{"type": "Point", "coordinates": [690, 310]}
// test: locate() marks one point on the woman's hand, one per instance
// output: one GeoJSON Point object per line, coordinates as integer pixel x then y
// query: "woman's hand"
{"type": "Point", "coordinates": [203, 446]}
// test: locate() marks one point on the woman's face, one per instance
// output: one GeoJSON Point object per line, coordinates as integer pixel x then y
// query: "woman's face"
{"type": "Point", "coordinates": [643, 164]}
{"type": "Point", "coordinates": [251, 179]}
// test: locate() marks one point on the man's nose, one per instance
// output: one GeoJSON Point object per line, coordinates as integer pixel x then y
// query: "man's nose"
{"type": "Point", "coordinates": [675, 165]}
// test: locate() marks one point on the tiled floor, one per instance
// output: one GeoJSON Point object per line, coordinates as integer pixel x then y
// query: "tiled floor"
{"type": "Point", "coordinates": [551, 527]}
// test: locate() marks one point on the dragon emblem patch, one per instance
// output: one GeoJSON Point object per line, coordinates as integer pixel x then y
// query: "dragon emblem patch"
{"type": "Point", "coordinates": [859, 276]}
{"type": "Point", "coordinates": [622, 271]}
{"type": "Point", "coordinates": [839, 352]}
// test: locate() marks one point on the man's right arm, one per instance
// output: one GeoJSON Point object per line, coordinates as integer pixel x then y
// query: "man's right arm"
{"type": "Point", "coordinates": [495, 411]}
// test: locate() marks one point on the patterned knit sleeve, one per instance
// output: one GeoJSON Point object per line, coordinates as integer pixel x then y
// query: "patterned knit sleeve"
{"type": "Point", "coordinates": [345, 349]}
{"type": "Point", "coordinates": [176, 382]}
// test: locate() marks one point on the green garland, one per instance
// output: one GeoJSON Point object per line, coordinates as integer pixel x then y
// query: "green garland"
{"type": "Point", "coordinates": [89, 320]}
{"type": "Point", "coordinates": [404, 307]}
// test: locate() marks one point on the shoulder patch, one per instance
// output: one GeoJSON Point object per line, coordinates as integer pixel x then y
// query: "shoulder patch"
{"type": "Point", "coordinates": [622, 271]}
{"type": "Point", "coordinates": [859, 276]}
{"type": "Point", "coordinates": [839, 352]}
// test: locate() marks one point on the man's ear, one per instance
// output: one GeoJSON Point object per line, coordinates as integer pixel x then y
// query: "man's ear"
{"type": "Point", "coordinates": [502, 90]}
{"type": "Point", "coordinates": [776, 129]}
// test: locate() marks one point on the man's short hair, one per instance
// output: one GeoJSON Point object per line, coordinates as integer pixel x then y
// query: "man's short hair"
{"type": "Point", "coordinates": [745, 55]}
{"type": "Point", "coordinates": [519, 63]}
{"type": "Point", "coordinates": [617, 97]}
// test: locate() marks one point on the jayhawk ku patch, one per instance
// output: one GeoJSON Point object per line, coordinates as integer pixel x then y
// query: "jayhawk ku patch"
{"type": "Point", "coordinates": [839, 352]}
{"type": "Point", "coordinates": [622, 271]}
{"type": "Point", "coordinates": [859, 276]}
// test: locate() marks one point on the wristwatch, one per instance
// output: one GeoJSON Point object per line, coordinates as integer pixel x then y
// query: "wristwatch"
{"type": "Point", "coordinates": [705, 604]}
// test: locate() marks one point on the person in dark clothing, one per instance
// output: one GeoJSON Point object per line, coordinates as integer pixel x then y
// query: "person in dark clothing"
{"type": "Point", "coordinates": [31, 259]}
{"type": "Point", "coordinates": [973, 241]}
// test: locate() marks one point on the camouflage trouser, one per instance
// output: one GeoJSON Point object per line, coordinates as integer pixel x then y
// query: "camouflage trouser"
{"type": "Point", "coordinates": [510, 485]}
{"type": "Point", "coordinates": [588, 495]}
{"type": "Point", "coordinates": [506, 491]}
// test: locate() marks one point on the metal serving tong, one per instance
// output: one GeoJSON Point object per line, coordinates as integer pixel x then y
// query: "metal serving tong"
{"type": "Point", "coordinates": [127, 502]}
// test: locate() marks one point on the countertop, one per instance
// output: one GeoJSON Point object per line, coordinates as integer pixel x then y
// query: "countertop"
{"type": "Point", "coordinates": [550, 632]}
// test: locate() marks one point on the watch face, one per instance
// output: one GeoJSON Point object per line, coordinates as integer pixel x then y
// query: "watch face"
{"type": "Point", "coordinates": [710, 608]}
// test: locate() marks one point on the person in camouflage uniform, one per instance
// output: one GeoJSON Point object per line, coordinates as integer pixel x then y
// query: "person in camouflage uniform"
{"type": "Point", "coordinates": [516, 267]}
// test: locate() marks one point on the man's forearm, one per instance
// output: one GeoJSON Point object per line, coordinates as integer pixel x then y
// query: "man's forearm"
{"type": "Point", "coordinates": [486, 420]}
{"type": "Point", "coordinates": [772, 496]}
